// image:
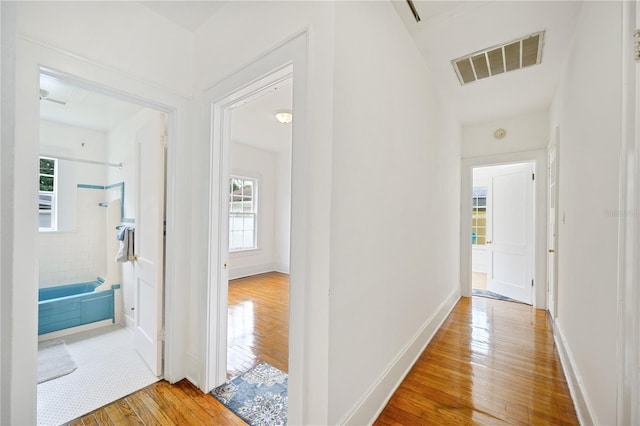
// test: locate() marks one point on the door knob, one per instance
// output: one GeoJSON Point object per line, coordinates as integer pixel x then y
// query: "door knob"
{"type": "Point", "coordinates": [488, 242]}
{"type": "Point", "coordinates": [552, 251]}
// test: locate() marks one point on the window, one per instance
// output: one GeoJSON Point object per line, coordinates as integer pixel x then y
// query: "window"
{"type": "Point", "coordinates": [47, 200]}
{"type": "Point", "coordinates": [243, 213]}
{"type": "Point", "coordinates": [479, 217]}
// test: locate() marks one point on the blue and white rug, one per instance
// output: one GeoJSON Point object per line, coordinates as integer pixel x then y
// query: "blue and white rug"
{"type": "Point", "coordinates": [259, 396]}
{"type": "Point", "coordinates": [492, 295]}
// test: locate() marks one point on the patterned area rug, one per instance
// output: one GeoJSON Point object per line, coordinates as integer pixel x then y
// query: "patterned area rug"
{"type": "Point", "coordinates": [492, 295]}
{"type": "Point", "coordinates": [259, 396]}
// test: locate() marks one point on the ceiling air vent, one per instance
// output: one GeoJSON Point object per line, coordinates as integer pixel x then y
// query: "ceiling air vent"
{"type": "Point", "coordinates": [495, 60]}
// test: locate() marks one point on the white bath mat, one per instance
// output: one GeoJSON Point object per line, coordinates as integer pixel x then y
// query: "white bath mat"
{"type": "Point", "coordinates": [54, 360]}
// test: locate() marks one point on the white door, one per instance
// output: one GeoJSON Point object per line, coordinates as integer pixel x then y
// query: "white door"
{"type": "Point", "coordinates": [510, 232]}
{"type": "Point", "coordinates": [552, 234]}
{"type": "Point", "coordinates": [149, 242]}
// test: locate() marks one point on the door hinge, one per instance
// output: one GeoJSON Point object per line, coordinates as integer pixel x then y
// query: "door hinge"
{"type": "Point", "coordinates": [531, 283]}
{"type": "Point", "coordinates": [636, 45]}
{"type": "Point", "coordinates": [533, 176]}
{"type": "Point", "coordinates": [161, 334]}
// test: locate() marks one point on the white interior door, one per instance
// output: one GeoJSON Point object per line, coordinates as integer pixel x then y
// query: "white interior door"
{"type": "Point", "coordinates": [510, 232]}
{"type": "Point", "coordinates": [552, 238]}
{"type": "Point", "coordinates": [149, 242]}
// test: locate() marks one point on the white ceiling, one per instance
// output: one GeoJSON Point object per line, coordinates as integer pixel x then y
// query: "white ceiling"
{"type": "Point", "coordinates": [190, 15]}
{"type": "Point", "coordinates": [451, 29]}
{"type": "Point", "coordinates": [448, 30]}
{"type": "Point", "coordinates": [255, 124]}
{"type": "Point", "coordinates": [82, 108]}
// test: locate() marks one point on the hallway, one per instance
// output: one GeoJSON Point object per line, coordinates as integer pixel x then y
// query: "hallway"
{"type": "Point", "coordinates": [491, 362]}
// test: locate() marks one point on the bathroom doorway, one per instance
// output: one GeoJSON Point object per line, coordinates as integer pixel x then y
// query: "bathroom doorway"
{"type": "Point", "coordinates": [101, 216]}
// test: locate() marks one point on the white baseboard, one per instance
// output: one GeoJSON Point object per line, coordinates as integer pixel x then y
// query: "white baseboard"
{"type": "Point", "coordinates": [73, 330]}
{"type": "Point", "coordinates": [375, 399]}
{"type": "Point", "coordinates": [192, 369]}
{"type": "Point", "coordinates": [247, 271]}
{"type": "Point", "coordinates": [581, 402]}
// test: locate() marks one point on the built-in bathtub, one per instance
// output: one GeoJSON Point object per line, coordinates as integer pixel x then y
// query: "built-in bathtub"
{"type": "Point", "coordinates": [71, 305]}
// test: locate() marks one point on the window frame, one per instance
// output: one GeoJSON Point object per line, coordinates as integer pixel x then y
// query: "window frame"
{"type": "Point", "coordinates": [253, 213]}
{"type": "Point", "coordinates": [53, 212]}
{"type": "Point", "coordinates": [477, 209]}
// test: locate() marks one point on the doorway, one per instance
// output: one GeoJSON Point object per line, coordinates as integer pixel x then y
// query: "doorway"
{"type": "Point", "coordinates": [259, 215]}
{"type": "Point", "coordinates": [502, 233]}
{"type": "Point", "coordinates": [101, 158]}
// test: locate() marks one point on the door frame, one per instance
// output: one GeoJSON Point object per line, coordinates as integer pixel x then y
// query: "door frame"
{"type": "Point", "coordinates": [539, 160]}
{"type": "Point", "coordinates": [552, 272]}
{"type": "Point", "coordinates": [628, 290]}
{"type": "Point", "coordinates": [32, 57]}
{"type": "Point", "coordinates": [288, 60]}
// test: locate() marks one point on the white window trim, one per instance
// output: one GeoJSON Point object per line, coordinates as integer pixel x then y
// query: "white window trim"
{"type": "Point", "coordinates": [54, 194]}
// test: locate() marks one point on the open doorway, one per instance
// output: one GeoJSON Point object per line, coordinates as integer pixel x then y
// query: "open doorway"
{"type": "Point", "coordinates": [259, 219]}
{"type": "Point", "coordinates": [502, 232]}
{"type": "Point", "coordinates": [101, 256]}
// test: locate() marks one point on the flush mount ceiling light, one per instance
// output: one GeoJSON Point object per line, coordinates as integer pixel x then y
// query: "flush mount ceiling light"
{"type": "Point", "coordinates": [500, 133]}
{"type": "Point", "coordinates": [511, 56]}
{"type": "Point", "coordinates": [284, 117]}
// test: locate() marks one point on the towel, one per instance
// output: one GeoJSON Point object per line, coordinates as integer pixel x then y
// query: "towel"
{"type": "Point", "coordinates": [131, 244]}
{"type": "Point", "coordinates": [126, 247]}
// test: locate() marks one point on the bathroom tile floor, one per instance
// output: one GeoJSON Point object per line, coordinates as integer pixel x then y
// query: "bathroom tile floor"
{"type": "Point", "coordinates": [108, 369]}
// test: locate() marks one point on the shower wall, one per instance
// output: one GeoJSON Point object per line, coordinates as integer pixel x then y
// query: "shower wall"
{"type": "Point", "coordinates": [77, 251]}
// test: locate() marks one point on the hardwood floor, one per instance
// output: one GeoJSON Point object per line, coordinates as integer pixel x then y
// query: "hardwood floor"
{"type": "Point", "coordinates": [492, 362]}
{"type": "Point", "coordinates": [258, 322]}
{"type": "Point", "coordinates": [258, 331]}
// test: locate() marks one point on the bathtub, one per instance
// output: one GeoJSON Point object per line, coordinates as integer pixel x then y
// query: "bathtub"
{"type": "Point", "coordinates": [72, 305]}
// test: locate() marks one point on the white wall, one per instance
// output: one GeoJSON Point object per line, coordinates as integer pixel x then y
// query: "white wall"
{"type": "Point", "coordinates": [121, 148]}
{"type": "Point", "coordinates": [256, 163]}
{"type": "Point", "coordinates": [394, 272]}
{"type": "Point", "coordinates": [587, 110]}
{"type": "Point", "coordinates": [63, 140]}
{"type": "Point", "coordinates": [125, 36]}
{"type": "Point", "coordinates": [526, 132]}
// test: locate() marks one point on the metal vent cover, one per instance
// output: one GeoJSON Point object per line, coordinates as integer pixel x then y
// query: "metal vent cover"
{"type": "Point", "coordinates": [516, 54]}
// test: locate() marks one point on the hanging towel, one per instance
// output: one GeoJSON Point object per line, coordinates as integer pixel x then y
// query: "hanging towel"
{"type": "Point", "coordinates": [123, 249]}
{"type": "Point", "coordinates": [126, 249]}
{"type": "Point", "coordinates": [131, 244]}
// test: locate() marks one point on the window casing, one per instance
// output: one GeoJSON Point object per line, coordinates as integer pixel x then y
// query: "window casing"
{"type": "Point", "coordinates": [243, 213]}
{"type": "Point", "coordinates": [479, 217]}
{"type": "Point", "coordinates": [48, 194]}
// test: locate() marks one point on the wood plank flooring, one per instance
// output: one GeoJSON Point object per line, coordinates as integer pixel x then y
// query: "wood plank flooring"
{"type": "Point", "coordinates": [258, 322]}
{"type": "Point", "coordinates": [258, 331]}
{"type": "Point", "coordinates": [492, 362]}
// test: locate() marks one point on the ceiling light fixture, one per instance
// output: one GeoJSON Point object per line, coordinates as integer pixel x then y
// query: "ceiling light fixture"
{"type": "Point", "coordinates": [284, 117]}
